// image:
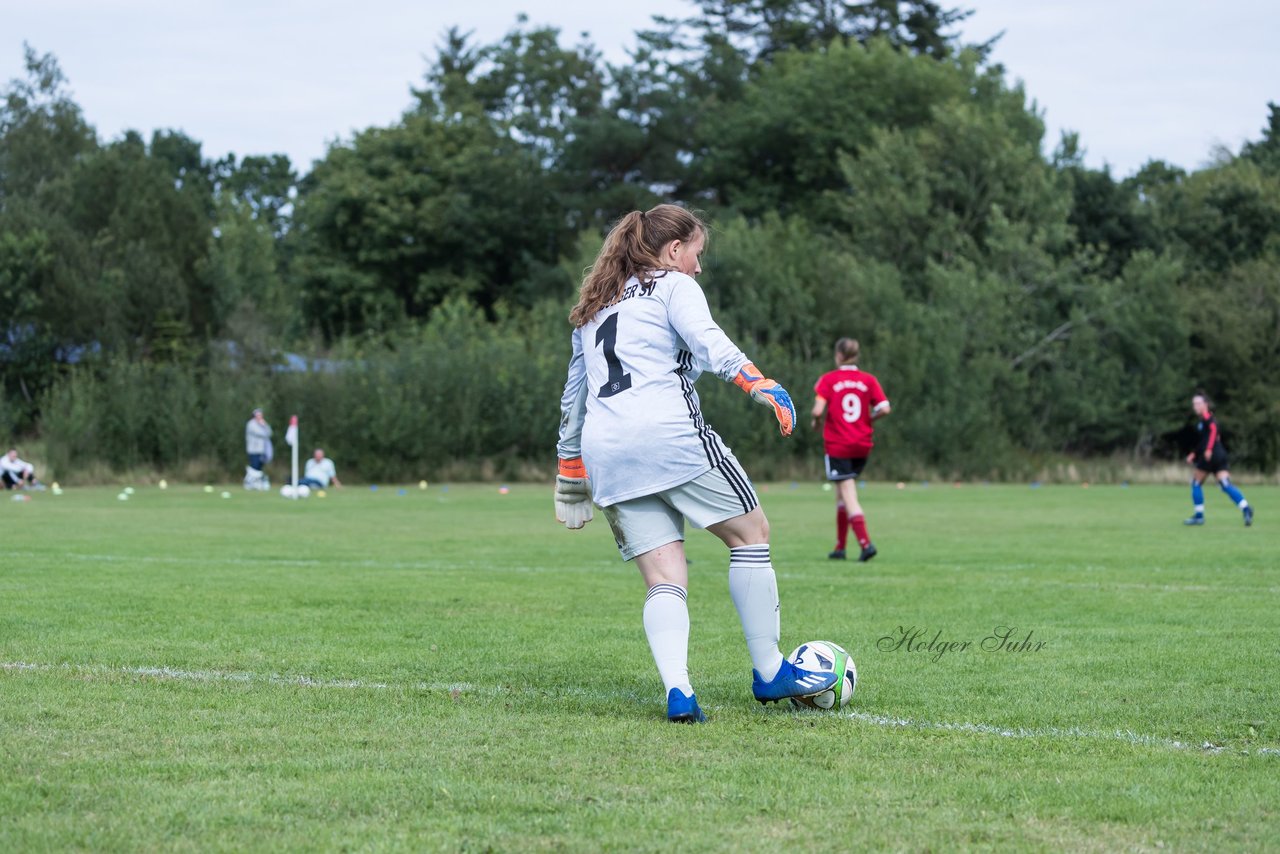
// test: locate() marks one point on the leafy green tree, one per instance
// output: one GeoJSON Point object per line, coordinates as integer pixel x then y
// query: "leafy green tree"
{"type": "Point", "coordinates": [406, 216]}
{"type": "Point", "coordinates": [256, 305]}
{"type": "Point", "coordinates": [1107, 215]}
{"type": "Point", "coordinates": [531, 86]}
{"type": "Point", "coordinates": [148, 236]}
{"type": "Point", "coordinates": [241, 270]}
{"type": "Point", "coordinates": [778, 148]}
{"type": "Point", "coordinates": [1235, 353]}
{"type": "Point", "coordinates": [42, 131]}
{"type": "Point", "coordinates": [1226, 215]}
{"type": "Point", "coordinates": [760, 30]}
{"type": "Point", "coordinates": [1266, 151]}
{"type": "Point", "coordinates": [942, 189]}
{"type": "Point", "coordinates": [1223, 223]}
{"type": "Point", "coordinates": [264, 185]}
{"type": "Point", "coordinates": [865, 174]}
{"type": "Point", "coordinates": [45, 310]}
{"type": "Point", "coordinates": [559, 103]}
{"type": "Point", "coordinates": [190, 172]}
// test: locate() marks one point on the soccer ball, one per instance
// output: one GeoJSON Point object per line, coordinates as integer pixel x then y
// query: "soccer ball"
{"type": "Point", "coordinates": [826, 657]}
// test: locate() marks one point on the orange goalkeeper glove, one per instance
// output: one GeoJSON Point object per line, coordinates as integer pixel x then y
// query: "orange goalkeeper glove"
{"type": "Point", "coordinates": [768, 393]}
{"type": "Point", "coordinates": [573, 494]}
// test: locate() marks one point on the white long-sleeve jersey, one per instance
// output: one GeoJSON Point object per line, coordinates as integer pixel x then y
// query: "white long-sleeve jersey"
{"type": "Point", "coordinates": [629, 407]}
{"type": "Point", "coordinates": [16, 467]}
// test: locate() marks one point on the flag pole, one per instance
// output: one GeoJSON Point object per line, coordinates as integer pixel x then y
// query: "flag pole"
{"type": "Point", "coordinates": [292, 436]}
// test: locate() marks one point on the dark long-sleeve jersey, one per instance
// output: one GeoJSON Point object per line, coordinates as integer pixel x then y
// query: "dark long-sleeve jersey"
{"type": "Point", "coordinates": [1208, 437]}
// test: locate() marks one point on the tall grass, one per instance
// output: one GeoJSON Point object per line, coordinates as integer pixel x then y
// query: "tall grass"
{"type": "Point", "coordinates": [472, 397]}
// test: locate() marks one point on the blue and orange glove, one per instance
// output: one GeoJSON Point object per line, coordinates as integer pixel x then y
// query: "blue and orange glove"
{"type": "Point", "coordinates": [768, 393]}
{"type": "Point", "coordinates": [573, 495]}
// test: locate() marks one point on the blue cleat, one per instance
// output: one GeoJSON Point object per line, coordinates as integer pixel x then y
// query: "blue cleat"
{"type": "Point", "coordinates": [1197, 519]}
{"type": "Point", "coordinates": [683, 709]}
{"type": "Point", "coordinates": [791, 681]}
{"type": "Point", "coordinates": [1248, 516]}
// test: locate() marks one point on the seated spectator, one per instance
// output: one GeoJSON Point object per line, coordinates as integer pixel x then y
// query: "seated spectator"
{"type": "Point", "coordinates": [319, 472]}
{"type": "Point", "coordinates": [15, 472]}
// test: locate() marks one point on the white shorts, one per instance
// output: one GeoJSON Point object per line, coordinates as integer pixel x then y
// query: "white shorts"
{"type": "Point", "coordinates": [643, 524]}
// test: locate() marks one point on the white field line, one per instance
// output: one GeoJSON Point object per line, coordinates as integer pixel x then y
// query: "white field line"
{"type": "Point", "coordinates": [594, 567]}
{"type": "Point", "coordinates": [1162, 588]}
{"type": "Point", "coordinates": [459, 688]}
{"type": "Point", "coordinates": [189, 675]}
{"type": "Point", "coordinates": [1095, 586]}
{"type": "Point", "coordinates": [1048, 732]}
{"type": "Point", "coordinates": [296, 562]}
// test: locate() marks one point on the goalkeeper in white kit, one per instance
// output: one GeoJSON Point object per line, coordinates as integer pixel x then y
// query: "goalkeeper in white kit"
{"type": "Point", "coordinates": [632, 437]}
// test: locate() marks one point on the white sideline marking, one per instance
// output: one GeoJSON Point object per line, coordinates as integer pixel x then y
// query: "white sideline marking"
{"type": "Point", "coordinates": [1074, 733]}
{"type": "Point", "coordinates": [301, 562]}
{"type": "Point", "coordinates": [1047, 732]}
{"type": "Point", "coordinates": [595, 567]}
{"type": "Point", "coordinates": [193, 675]}
{"type": "Point", "coordinates": [1103, 586]}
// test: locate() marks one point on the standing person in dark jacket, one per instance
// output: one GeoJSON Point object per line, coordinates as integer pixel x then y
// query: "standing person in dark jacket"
{"type": "Point", "coordinates": [1210, 457]}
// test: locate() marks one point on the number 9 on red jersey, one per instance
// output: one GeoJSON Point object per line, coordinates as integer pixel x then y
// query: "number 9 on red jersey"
{"type": "Point", "coordinates": [852, 396]}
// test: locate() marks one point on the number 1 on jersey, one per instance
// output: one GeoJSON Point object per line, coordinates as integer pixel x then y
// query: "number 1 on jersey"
{"type": "Point", "coordinates": [607, 334]}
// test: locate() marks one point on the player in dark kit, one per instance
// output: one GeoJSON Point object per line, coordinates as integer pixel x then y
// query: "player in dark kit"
{"type": "Point", "coordinates": [847, 402]}
{"type": "Point", "coordinates": [1210, 457]}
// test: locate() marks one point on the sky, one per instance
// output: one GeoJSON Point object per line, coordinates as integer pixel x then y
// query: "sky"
{"type": "Point", "coordinates": [1137, 79]}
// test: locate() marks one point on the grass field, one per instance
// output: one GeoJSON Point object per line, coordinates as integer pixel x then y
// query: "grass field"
{"type": "Point", "coordinates": [451, 670]}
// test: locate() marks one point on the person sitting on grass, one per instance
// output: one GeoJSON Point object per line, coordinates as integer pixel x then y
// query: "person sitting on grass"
{"type": "Point", "coordinates": [16, 472]}
{"type": "Point", "coordinates": [319, 472]}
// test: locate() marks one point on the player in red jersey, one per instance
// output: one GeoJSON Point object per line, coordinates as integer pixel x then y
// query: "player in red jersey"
{"type": "Point", "coordinates": [850, 400]}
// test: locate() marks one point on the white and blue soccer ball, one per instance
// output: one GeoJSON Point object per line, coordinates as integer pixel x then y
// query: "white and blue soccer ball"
{"type": "Point", "coordinates": [826, 657]}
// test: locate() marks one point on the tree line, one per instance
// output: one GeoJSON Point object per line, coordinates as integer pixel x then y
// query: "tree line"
{"type": "Point", "coordinates": [866, 173]}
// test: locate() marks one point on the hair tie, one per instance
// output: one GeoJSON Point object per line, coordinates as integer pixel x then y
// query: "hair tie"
{"type": "Point", "coordinates": [642, 219]}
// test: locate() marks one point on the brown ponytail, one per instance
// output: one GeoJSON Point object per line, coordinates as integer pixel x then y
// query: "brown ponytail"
{"type": "Point", "coordinates": [847, 350]}
{"type": "Point", "coordinates": [631, 249]}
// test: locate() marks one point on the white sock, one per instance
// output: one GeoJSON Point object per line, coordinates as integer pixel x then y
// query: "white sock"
{"type": "Point", "coordinates": [754, 589]}
{"type": "Point", "coordinates": [666, 623]}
